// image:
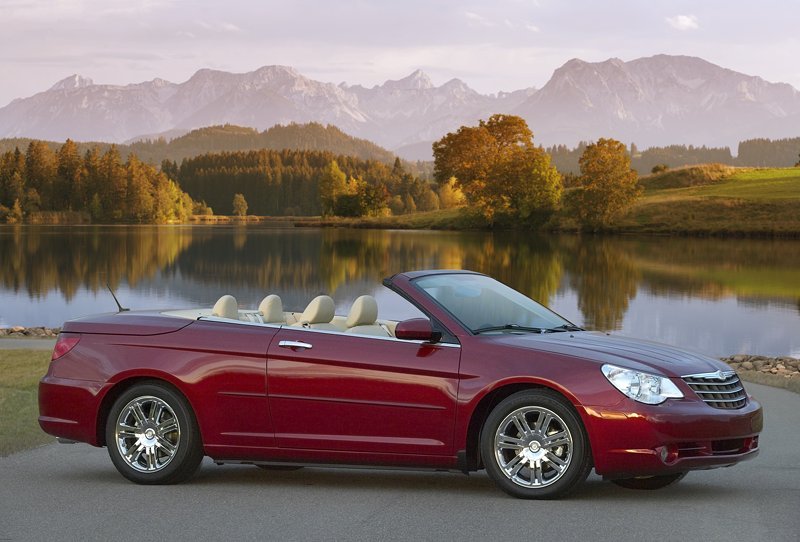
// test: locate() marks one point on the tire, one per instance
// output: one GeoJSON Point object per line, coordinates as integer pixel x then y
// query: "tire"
{"type": "Point", "coordinates": [534, 446]}
{"type": "Point", "coordinates": [152, 435]}
{"type": "Point", "coordinates": [650, 482]}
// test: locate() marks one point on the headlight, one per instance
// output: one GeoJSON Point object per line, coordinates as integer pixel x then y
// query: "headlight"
{"type": "Point", "coordinates": [642, 387]}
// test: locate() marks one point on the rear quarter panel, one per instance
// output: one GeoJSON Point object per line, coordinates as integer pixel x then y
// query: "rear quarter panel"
{"type": "Point", "coordinates": [219, 367]}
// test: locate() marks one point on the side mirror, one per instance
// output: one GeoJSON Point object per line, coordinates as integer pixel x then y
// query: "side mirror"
{"type": "Point", "coordinates": [417, 329]}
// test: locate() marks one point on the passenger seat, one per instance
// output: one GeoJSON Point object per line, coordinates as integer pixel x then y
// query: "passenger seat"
{"type": "Point", "coordinates": [363, 316]}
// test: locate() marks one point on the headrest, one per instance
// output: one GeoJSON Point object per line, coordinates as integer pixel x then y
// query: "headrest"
{"type": "Point", "coordinates": [364, 312]}
{"type": "Point", "coordinates": [271, 309]}
{"type": "Point", "coordinates": [226, 307]}
{"type": "Point", "coordinates": [320, 311]}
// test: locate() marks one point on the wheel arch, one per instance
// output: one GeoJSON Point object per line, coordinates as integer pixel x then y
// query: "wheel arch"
{"type": "Point", "coordinates": [121, 387]}
{"type": "Point", "coordinates": [491, 399]}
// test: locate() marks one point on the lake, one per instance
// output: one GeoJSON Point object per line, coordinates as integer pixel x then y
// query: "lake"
{"type": "Point", "coordinates": [718, 296]}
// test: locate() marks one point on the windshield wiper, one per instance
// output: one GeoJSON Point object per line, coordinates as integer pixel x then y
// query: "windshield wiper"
{"type": "Point", "coordinates": [513, 327]}
{"type": "Point", "coordinates": [565, 327]}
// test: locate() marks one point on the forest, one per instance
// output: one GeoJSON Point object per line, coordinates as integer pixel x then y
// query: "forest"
{"type": "Point", "coordinates": [287, 182]}
{"type": "Point", "coordinates": [278, 172]}
{"type": "Point", "coordinates": [41, 185]}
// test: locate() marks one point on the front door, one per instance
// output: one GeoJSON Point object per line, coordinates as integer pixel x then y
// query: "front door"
{"type": "Point", "coordinates": [338, 391]}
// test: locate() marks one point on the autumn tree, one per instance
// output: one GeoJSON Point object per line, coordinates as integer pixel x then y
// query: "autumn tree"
{"type": "Point", "coordinates": [331, 185]}
{"type": "Point", "coordinates": [450, 195]}
{"type": "Point", "coordinates": [498, 168]}
{"type": "Point", "coordinates": [428, 201]}
{"type": "Point", "coordinates": [608, 187]}
{"type": "Point", "coordinates": [239, 205]}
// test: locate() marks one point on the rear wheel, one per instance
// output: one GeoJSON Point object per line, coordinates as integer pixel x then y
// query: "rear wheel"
{"type": "Point", "coordinates": [534, 446]}
{"type": "Point", "coordinates": [650, 482]}
{"type": "Point", "coordinates": [152, 435]}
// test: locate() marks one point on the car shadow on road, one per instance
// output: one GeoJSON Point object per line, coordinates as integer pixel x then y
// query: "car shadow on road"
{"type": "Point", "coordinates": [479, 483]}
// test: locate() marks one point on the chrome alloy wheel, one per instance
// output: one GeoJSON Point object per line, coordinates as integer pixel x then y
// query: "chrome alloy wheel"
{"type": "Point", "coordinates": [147, 434]}
{"type": "Point", "coordinates": [533, 447]}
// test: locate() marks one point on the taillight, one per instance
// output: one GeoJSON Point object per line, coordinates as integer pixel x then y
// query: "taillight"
{"type": "Point", "coordinates": [64, 343]}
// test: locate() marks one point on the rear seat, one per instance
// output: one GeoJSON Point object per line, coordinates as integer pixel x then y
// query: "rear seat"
{"type": "Point", "coordinates": [318, 314]}
{"type": "Point", "coordinates": [226, 307]}
{"type": "Point", "coordinates": [271, 310]}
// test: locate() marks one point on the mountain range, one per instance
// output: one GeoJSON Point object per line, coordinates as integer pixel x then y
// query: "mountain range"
{"type": "Point", "coordinates": [658, 100]}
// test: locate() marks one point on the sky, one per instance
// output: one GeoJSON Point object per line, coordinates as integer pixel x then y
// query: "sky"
{"type": "Point", "coordinates": [492, 45]}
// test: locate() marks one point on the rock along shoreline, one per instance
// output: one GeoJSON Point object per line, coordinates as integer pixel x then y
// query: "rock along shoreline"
{"type": "Point", "coordinates": [19, 332]}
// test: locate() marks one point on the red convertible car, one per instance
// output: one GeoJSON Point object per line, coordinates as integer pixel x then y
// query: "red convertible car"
{"type": "Point", "coordinates": [489, 379]}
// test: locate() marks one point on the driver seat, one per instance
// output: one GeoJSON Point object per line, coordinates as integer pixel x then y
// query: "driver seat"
{"type": "Point", "coordinates": [363, 316]}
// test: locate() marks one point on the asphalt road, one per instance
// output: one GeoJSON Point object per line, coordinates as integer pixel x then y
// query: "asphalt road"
{"type": "Point", "coordinates": [72, 492]}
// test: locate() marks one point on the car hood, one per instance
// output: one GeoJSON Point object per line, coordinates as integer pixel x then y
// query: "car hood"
{"type": "Point", "coordinates": [626, 352]}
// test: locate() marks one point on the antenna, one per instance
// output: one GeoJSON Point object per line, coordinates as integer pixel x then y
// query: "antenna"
{"type": "Point", "coordinates": [121, 308]}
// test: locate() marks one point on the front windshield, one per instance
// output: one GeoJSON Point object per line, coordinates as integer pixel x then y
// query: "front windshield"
{"type": "Point", "coordinates": [482, 304]}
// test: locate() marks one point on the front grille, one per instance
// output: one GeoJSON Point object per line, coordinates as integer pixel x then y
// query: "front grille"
{"type": "Point", "coordinates": [722, 389]}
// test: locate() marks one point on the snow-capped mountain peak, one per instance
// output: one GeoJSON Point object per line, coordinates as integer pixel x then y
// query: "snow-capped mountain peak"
{"type": "Point", "coordinates": [72, 82]}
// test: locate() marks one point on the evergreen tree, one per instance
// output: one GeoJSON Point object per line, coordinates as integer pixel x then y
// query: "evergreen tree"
{"type": "Point", "coordinates": [40, 175]}
{"type": "Point", "coordinates": [69, 189]}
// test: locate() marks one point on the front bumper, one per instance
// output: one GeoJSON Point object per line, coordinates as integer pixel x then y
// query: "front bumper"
{"type": "Point", "coordinates": [633, 439]}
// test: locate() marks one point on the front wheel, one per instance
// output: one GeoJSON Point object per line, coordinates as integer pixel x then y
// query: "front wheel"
{"type": "Point", "coordinates": [650, 482]}
{"type": "Point", "coordinates": [534, 446]}
{"type": "Point", "coordinates": [152, 435]}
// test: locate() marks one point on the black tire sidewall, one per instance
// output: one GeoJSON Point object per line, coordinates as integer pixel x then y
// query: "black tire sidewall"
{"type": "Point", "coordinates": [579, 466]}
{"type": "Point", "coordinates": [189, 454]}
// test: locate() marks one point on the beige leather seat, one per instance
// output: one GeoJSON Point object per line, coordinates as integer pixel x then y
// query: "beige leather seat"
{"type": "Point", "coordinates": [226, 307]}
{"type": "Point", "coordinates": [271, 310]}
{"type": "Point", "coordinates": [362, 317]}
{"type": "Point", "coordinates": [318, 314]}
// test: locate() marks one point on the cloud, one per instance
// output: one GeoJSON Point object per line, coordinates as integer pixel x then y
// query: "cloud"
{"type": "Point", "coordinates": [683, 22]}
{"type": "Point", "coordinates": [474, 18]}
{"type": "Point", "coordinates": [218, 27]}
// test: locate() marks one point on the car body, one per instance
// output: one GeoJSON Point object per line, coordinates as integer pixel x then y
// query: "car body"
{"type": "Point", "coordinates": [488, 379]}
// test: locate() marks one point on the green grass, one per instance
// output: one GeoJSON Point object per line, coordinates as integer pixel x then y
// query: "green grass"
{"type": "Point", "coordinates": [20, 371]}
{"type": "Point", "coordinates": [744, 201]}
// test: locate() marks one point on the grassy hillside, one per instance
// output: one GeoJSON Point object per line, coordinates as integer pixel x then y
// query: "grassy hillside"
{"type": "Point", "coordinates": [719, 200]}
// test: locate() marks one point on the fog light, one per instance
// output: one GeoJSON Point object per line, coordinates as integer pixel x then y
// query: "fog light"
{"type": "Point", "coordinates": [668, 453]}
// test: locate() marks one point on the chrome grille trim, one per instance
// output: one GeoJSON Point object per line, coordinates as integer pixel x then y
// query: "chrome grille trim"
{"type": "Point", "coordinates": [721, 389]}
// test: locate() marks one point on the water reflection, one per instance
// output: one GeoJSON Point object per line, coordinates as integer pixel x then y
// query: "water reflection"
{"type": "Point", "coordinates": [600, 282]}
{"type": "Point", "coordinates": [38, 259]}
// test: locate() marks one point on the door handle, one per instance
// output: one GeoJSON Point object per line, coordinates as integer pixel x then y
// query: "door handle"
{"type": "Point", "coordinates": [295, 344]}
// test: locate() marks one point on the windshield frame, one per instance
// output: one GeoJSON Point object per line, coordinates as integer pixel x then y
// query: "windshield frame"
{"type": "Point", "coordinates": [512, 296]}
